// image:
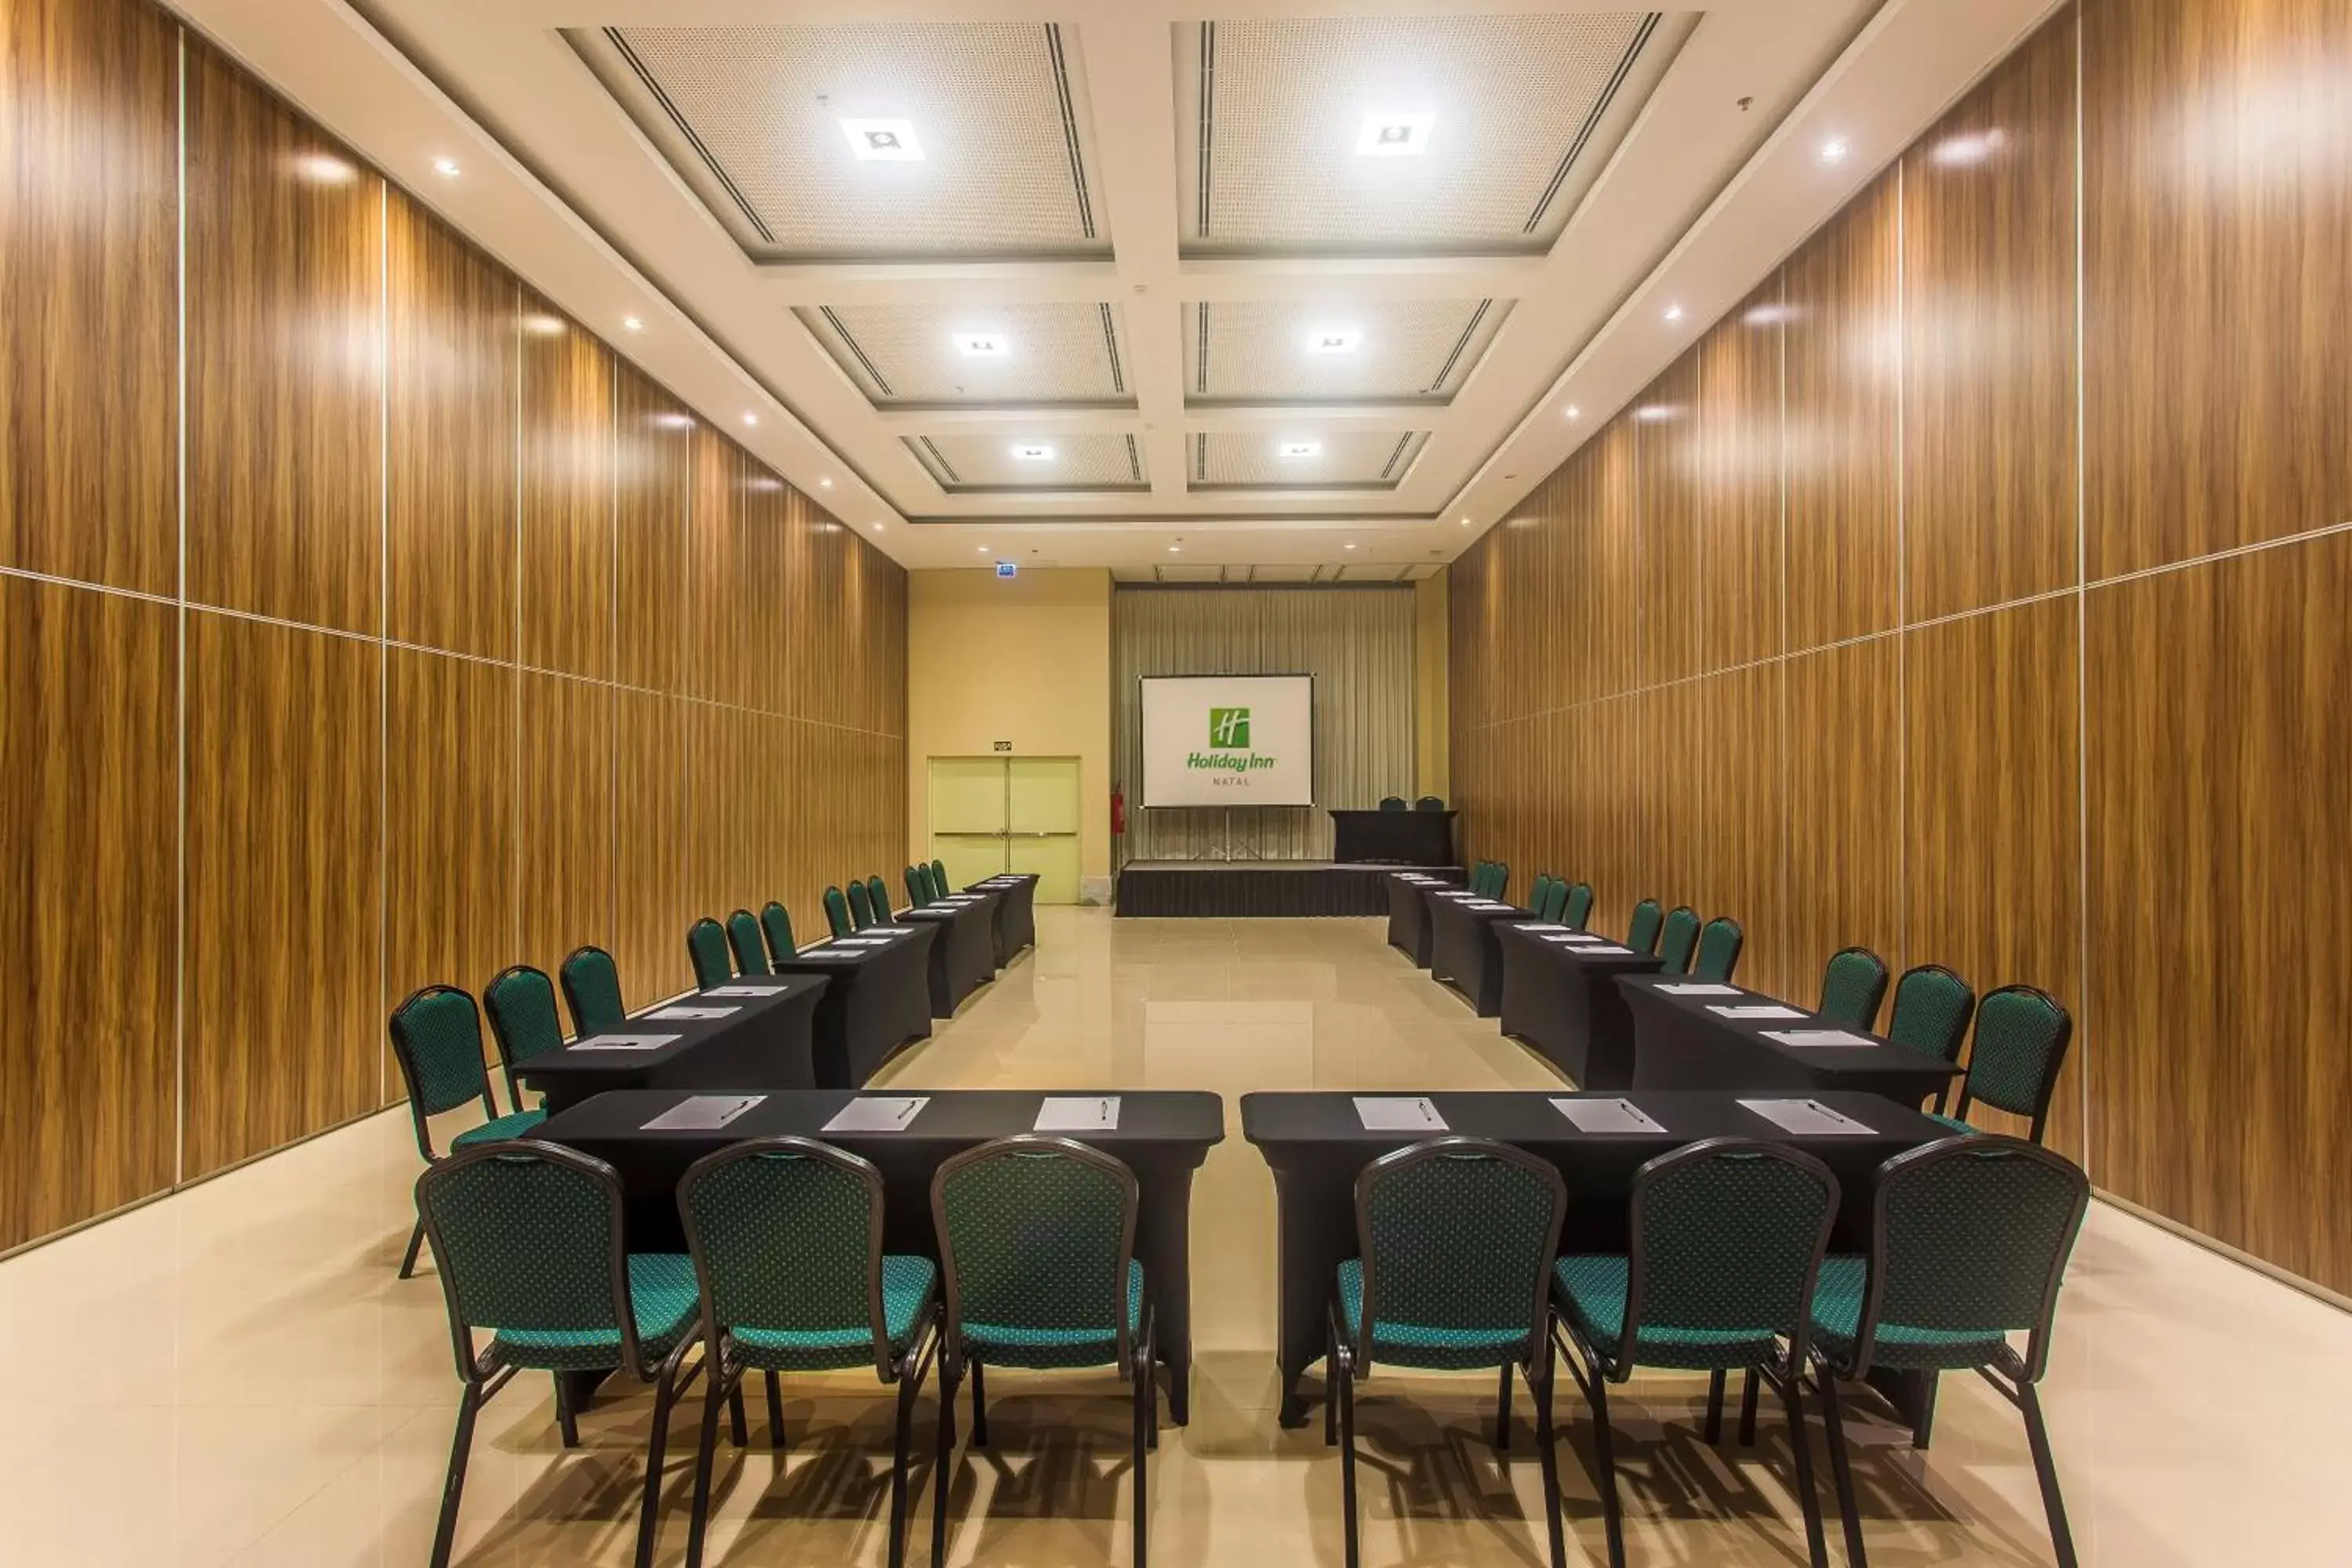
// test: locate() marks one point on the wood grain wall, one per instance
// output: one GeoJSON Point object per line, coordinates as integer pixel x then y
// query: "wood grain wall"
{"type": "Point", "coordinates": [442, 661]}
{"type": "Point", "coordinates": [2049, 684]}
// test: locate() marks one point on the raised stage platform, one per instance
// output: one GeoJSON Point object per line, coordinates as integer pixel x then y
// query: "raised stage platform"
{"type": "Point", "coordinates": [1257, 889]}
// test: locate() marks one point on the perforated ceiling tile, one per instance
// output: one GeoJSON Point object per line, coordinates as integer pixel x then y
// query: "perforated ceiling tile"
{"type": "Point", "coordinates": [1351, 459]}
{"type": "Point", "coordinates": [1509, 114]}
{"type": "Point", "coordinates": [882, 139]}
{"type": "Point", "coordinates": [980, 354]}
{"type": "Point", "coordinates": [965, 463]}
{"type": "Point", "coordinates": [1275, 350]}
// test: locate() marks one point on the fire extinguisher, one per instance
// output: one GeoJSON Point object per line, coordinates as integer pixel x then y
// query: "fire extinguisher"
{"type": "Point", "coordinates": [1117, 812]}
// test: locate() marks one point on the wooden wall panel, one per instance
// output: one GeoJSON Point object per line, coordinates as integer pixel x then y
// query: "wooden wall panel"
{"type": "Point", "coordinates": [1734, 815]}
{"type": "Point", "coordinates": [2217, 259]}
{"type": "Point", "coordinates": [89, 737]}
{"type": "Point", "coordinates": [1992, 841]}
{"type": "Point", "coordinates": [2221, 873]}
{"type": "Point", "coordinates": [1670, 468]}
{"type": "Point", "coordinates": [1990, 496]}
{"type": "Point", "coordinates": [1739, 544]}
{"type": "Point", "coordinates": [1599, 515]}
{"type": "Point", "coordinates": [653, 789]}
{"type": "Point", "coordinates": [1844, 327]}
{"type": "Point", "coordinates": [768, 677]}
{"type": "Point", "coordinates": [652, 457]}
{"type": "Point", "coordinates": [567, 497]}
{"type": "Point", "coordinates": [88, 243]}
{"type": "Point", "coordinates": [285, 888]}
{"type": "Point", "coordinates": [718, 666]}
{"type": "Point", "coordinates": [285, 422]}
{"type": "Point", "coordinates": [450, 369]}
{"type": "Point", "coordinates": [1844, 766]}
{"type": "Point", "coordinates": [565, 817]}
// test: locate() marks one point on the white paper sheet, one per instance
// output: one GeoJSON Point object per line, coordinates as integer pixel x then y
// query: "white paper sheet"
{"type": "Point", "coordinates": [878, 1113]}
{"type": "Point", "coordinates": [1817, 1037]}
{"type": "Point", "coordinates": [678, 1015]}
{"type": "Point", "coordinates": [1540, 925]}
{"type": "Point", "coordinates": [702, 1112]}
{"type": "Point", "coordinates": [744, 991]}
{"type": "Point", "coordinates": [1806, 1116]}
{"type": "Point", "coordinates": [1701, 988]}
{"type": "Point", "coordinates": [1385, 1113]}
{"type": "Point", "coordinates": [1759, 1010]}
{"type": "Point", "coordinates": [889, 930]}
{"type": "Point", "coordinates": [1610, 948]}
{"type": "Point", "coordinates": [626, 1042]}
{"type": "Point", "coordinates": [861, 942]}
{"type": "Point", "coordinates": [1607, 1116]}
{"type": "Point", "coordinates": [1077, 1114]}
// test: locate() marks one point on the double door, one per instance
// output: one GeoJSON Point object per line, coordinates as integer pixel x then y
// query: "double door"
{"type": "Point", "coordinates": [1008, 813]}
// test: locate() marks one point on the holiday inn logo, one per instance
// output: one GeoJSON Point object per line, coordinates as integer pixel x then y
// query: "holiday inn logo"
{"type": "Point", "coordinates": [1229, 728]}
{"type": "Point", "coordinates": [1229, 746]}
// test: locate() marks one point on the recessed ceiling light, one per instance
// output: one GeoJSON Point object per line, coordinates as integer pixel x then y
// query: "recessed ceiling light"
{"type": "Point", "coordinates": [883, 140]}
{"type": "Point", "coordinates": [750, 419]}
{"type": "Point", "coordinates": [1674, 312]}
{"type": "Point", "coordinates": [981, 342]}
{"type": "Point", "coordinates": [446, 168]}
{"type": "Point", "coordinates": [1174, 549]}
{"type": "Point", "coordinates": [878, 527]}
{"type": "Point", "coordinates": [1349, 545]}
{"type": "Point", "coordinates": [1466, 523]}
{"type": "Point", "coordinates": [1032, 452]}
{"type": "Point", "coordinates": [1394, 135]}
{"type": "Point", "coordinates": [1834, 150]}
{"type": "Point", "coordinates": [320, 169]}
{"type": "Point", "coordinates": [983, 549]}
{"type": "Point", "coordinates": [634, 324]}
{"type": "Point", "coordinates": [825, 484]}
{"type": "Point", "coordinates": [1299, 449]}
{"type": "Point", "coordinates": [1342, 342]}
{"type": "Point", "coordinates": [1573, 412]}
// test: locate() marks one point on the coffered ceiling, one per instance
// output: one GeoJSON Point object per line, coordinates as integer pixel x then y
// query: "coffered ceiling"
{"type": "Point", "coordinates": [1280, 284]}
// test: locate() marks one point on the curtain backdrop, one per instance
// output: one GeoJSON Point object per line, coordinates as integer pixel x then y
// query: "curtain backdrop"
{"type": "Point", "coordinates": [1357, 644]}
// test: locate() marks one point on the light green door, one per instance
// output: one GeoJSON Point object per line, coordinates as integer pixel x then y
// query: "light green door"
{"type": "Point", "coordinates": [1008, 813]}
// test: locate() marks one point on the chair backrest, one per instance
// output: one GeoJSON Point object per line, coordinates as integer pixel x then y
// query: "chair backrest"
{"type": "Point", "coordinates": [520, 1001]}
{"type": "Point", "coordinates": [1498, 878]}
{"type": "Point", "coordinates": [777, 921]}
{"type": "Point", "coordinates": [1678, 938]}
{"type": "Point", "coordinates": [1932, 1008]}
{"type": "Point", "coordinates": [1969, 1237]}
{"type": "Point", "coordinates": [1642, 931]}
{"type": "Point", "coordinates": [787, 1235]}
{"type": "Point", "coordinates": [918, 880]}
{"type": "Point", "coordinates": [743, 936]}
{"type": "Point", "coordinates": [931, 883]}
{"type": "Point", "coordinates": [705, 949]}
{"type": "Point", "coordinates": [1429, 803]}
{"type": "Point", "coordinates": [527, 1236]}
{"type": "Point", "coordinates": [592, 989]}
{"type": "Point", "coordinates": [1551, 901]}
{"type": "Point", "coordinates": [1391, 803]}
{"type": "Point", "coordinates": [1728, 1236]}
{"type": "Point", "coordinates": [939, 888]}
{"type": "Point", "coordinates": [2022, 1038]}
{"type": "Point", "coordinates": [836, 912]}
{"type": "Point", "coordinates": [1853, 986]}
{"type": "Point", "coordinates": [861, 908]}
{"type": "Point", "coordinates": [1576, 905]}
{"type": "Point", "coordinates": [1457, 1233]}
{"type": "Point", "coordinates": [436, 1038]}
{"type": "Point", "coordinates": [1035, 1232]}
{"type": "Point", "coordinates": [1539, 895]}
{"type": "Point", "coordinates": [1719, 941]}
{"type": "Point", "coordinates": [878, 893]}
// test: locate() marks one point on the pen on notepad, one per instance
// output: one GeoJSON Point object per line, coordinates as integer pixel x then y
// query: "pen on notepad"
{"type": "Point", "coordinates": [1102, 1112]}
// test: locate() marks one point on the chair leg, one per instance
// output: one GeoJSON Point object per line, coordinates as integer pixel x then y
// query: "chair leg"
{"type": "Point", "coordinates": [1503, 1412]}
{"type": "Point", "coordinates": [566, 1421]}
{"type": "Point", "coordinates": [2045, 1471]}
{"type": "Point", "coordinates": [1612, 1514]}
{"type": "Point", "coordinates": [908, 1386]}
{"type": "Point", "coordinates": [1330, 1387]}
{"type": "Point", "coordinates": [415, 1244]}
{"type": "Point", "coordinates": [1841, 1470]}
{"type": "Point", "coordinates": [1809, 1500]}
{"type": "Point", "coordinates": [942, 1478]}
{"type": "Point", "coordinates": [1547, 1448]}
{"type": "Point", "coordinates": [705, 1452]}
{"type": "Point", "coordinates": [649, 1514]}
{"type": "Point", "coordinates": [1747, 1392]}
{"type": "Point", "coordinates": [1146, 1403]}
{"type": "Point", "coordinates": [446, 1534]}
{"type": "Point", "coordinates": [737, 1427]}
{"type": "Point", "coordinates": [1715, 1406]}
{"type": "Point", "coordinates": [775, 1413]}
{"type": "Point", "coordinates": [979, 1407]}
{"type": "Point", "coordinates": [1343, 1380]}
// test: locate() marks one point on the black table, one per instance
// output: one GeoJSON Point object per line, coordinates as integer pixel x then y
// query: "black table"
{"type": "Point", "coordinates": [1408, 894]}
{"type": "Point", "coordinates": [1316, 1145]}
{"type": "Point", "coordinates": [1162, 1135]}
{"type": "Point", "coordinates": [878, 1001]}
{"type": "Point", "coordinates": [1016, 912]}
{"type": "Point", "coordinates": [963, 957]}
{"type": "Point", "coordinates": [1678, 1043]}
{"type": "Point", "coordinates": [766, 1042]}
{"type": "Point", "coordinates": [1563, 1000]}
{"type": "Point", "coordinates": [1462, 949]}
{"type": "Point", "coordinates": [1393, 838]}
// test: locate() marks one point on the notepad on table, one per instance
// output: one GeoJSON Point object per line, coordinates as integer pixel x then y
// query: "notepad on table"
{"type": "Point", "coordinates": [1701, 988]}
{"type": "Point", "coordinates": [878, 1113]}
{"type": "Point", "coordinates": [1606, 1116]}
{"type": "Point", "coordinates": [1077, 1114]}
{"type": "Point", "coordinates": [672, 1015]}
{"type": "Point", "coordinates": [1398, 1113]}
{"type": "Point", "coordinates": [1540, 925]}
{"type": "Point", "coordinates": [1609, 948]}
{"type": "Point", "coordinates": [1805, 1116]}
{"type": "Point", "coordinates": [702, 1112]}
{"type": "Point", "coordinates": [1817, 1037]}
{"type": "Point", "coordinates": [862, 941]}
{"type": "Point", "coordinates": [1759, 1010]}
{"type": "Point", "coordinates": [744, 991]}
{"type": "Point", "coordinates": [626, 1042]}
{"type": "Point", "coordinates": [889, 930]}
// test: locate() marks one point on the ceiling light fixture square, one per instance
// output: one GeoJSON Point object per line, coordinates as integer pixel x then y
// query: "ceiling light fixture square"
{"type": "Point", "coordinates": [883, 140]}
{"type": "Point", "coordinates": [991, 344]}
{"type": "Point", "coordinates": [1394, 135]}
{"type": "Point", "coordinates": [1345, 341]}
{"type": "Point", "coordinates": [1033, 452]}
{"type": "Point", "coordinates": [1299, 449]}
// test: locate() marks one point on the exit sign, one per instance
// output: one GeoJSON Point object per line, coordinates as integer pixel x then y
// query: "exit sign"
{"type": "Point", "coordinates": [1008, 569]}
{"type": "Point", "coordinates": [1003, 745]}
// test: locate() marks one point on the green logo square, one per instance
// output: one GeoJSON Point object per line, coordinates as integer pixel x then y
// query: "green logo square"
{"type": "Point", "coordinates": [1229, 728]}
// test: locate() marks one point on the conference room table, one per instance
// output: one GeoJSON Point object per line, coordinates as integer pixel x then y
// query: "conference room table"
{"type": "Point", "coordinates": [1688, 1034]}
{"type": "Point", "coordinates": [1559, 994]}
{"type": "Point", "coordinates": [753, 1033]}
{"type": "Point", "coordinates": [877, 1000]}
{"type": "Point", "coordinates": [1393, 838]}
{"type": "Point", "coordinates": [1462, 949]}
{"type": "Point", "coordinates": [1016, 912]}
{"type": "Point", "coordinates": [1317, 1144]}
{"type": "Point", "coordinates": [1162, 1135]}
{"type": "Point", "coordinates": [1409, 895]}
{"type": "Point", "coordinates": [963, 956]}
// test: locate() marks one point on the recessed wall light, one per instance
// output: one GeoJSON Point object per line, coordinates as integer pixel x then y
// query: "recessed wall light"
{"type": "Point", "coordinates": [634, 324]}
{"type": "Point", "coordinates": [1674, 312]}
{"type": "Point", "coordinates": [320, 169]}
{"type": "Point", "coordinates": [883, 140]}
{"type": "Point", "coordinates": [446, 168]}
{"type": "Point", "coordinates": [1834, 150]}
{"type": "Point", "coordinates": [1299, 449]}
{"type": "Point", "coordinates": [1394, 135]}
{"type": "Point", "coordinates": [1032, 452]}
{"type": "Point", "coordinates": [1343, 340]}
{"type": "Point", "coordinates": [981, 342]}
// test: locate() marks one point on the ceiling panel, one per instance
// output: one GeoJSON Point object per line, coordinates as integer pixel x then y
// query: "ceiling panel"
{"type": "Point", "coordinates": [1261, 351]}
{"type": "Point", "coordinates": [1504, 121]}
{"type": "Point", "coordinates": [871, 141]}
{"type": "Point", "coordinates": [965, 463]}
{"type": "Point", "coordinates": [1347, 460]}
{"type": "Point", "coordinates": [921, 355]}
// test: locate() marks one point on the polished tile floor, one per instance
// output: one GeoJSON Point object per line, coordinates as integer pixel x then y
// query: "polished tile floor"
{"type": "Point", "coordinates": [235, 1375]}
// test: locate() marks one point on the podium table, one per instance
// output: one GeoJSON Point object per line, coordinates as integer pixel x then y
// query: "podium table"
{"type": "Point", "coordinates": [1393, 838]}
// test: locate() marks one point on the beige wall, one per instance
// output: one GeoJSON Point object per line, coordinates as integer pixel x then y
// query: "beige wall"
{"type": "Point", "coordinates": [1430, 747]}
{"type": "Point", "coordinates": [1025, 660]}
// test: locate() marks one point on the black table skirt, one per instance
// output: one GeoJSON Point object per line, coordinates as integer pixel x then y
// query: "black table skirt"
{"type": "Point", "coordinates": [1679, 1044]}
{"type": "Point", "coordinates": [767, 1043]}
{"type": "Point", "coordinates": [1316, 1146]}
{"type": "Point", "coordinates": [1463, 953]}
{"type": "Point", "coordinates": [877, 1003]}
{"type": "Point", "coordinates": [1163, 1136]}
{"type": "Point", "coordinates": [1261, 890]}
{"type": "Point", "coordinates": [963, 956]}
{"type": "Point", "coordinates": [1016, 912]}
{"type": "Point", "coordinates": [1393, 838]}
{"type": "Point", "coordinates": [1409, 917]}
{"type": "Point", "coordinates": [1568, 1007]}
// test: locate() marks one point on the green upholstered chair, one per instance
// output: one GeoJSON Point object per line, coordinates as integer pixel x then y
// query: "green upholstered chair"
{"type": "Point", "coordinates": [918, 880]}
{"type": "Point", "coordinates": [592, 989]}
{"type": "Point", "coordinates": [437, 1039]}
{"type": "Point", "coordinates": [1642, 931]}
{"type": "Point", "coordinates": [1719, 941]}
{"type": "Point", "coordinates": [1429, 803]}
{"type": "Point", "coordinates": [1727, 1238]}
{"type": "Point", "coordinates": [836, 912]}
{"type": "Point", "coordinates": [1969, 1240]}
{"type": "Point", "coordinates": [776, 921]}
{"type": "Point", "coordinates": [1678, 939]}
{"type": "Point", "coordinates": [786, 1237]}
{"type": "Point", "coordinates": [1932, 1009]}
{"type": "Point", "coordinates": [521, 1002]}
{"type": "Point", "coordinates": [1540, 896]}
{"type": "Point", "coordinates": [939, 888]}
{"type": "Point", "coordinates": [1498, 879]}
{"type": "Point", "coordinates": [1455, 1240]}
{"type": "Point", "coordinates": [1853, 986]}
{"type": "Point", "coordinates": [1576, 907]}
{"type": "Point", "coordinates": [1391, 803]}
{"type": "Point", "coordinates": [1037, 1245]}
{"type": "Point", "coordinates": [527, 1240]}
{"type": "Point", "coordinates": [861, 908]}
{"type": "Point", "coordinates": [2022, 1038]}
{"type": "Point", "coordinates": [1553, 901]}
{"type": "Point", "coordinates": [743, 936]}
{"type": "Point", "coordinates": [878, 894]}
{"type": "Point", "coordinates": [705, 949]}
